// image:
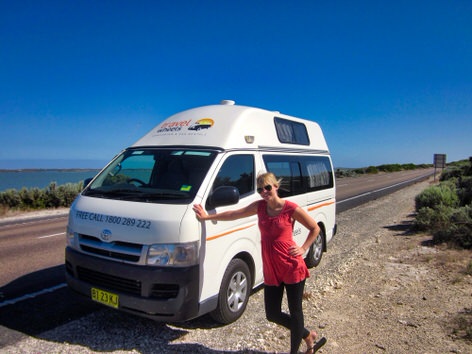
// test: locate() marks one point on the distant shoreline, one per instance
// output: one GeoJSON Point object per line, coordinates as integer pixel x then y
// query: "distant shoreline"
{"type": "Point", "coordinates": [28, 178]}
{"type": "Point", "coordinates": [48, 169]}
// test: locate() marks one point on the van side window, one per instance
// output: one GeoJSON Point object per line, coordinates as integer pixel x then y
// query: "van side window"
{"type": "Point", "coordinates": [320, 174]}
{"type": "Point", "coordinates": [300, 174]}
{"type": "Point", "coordinates": [237, 171]}
{"type": "Point", "coordinates": [291, 132]}
{"type": "Point", "coordinates": [288, 172]}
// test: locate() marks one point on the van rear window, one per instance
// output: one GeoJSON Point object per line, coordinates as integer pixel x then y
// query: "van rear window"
{"type": "Point", "coordinates": [290, 132]}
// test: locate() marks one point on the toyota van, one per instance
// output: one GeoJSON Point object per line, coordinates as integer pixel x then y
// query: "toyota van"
{"type": "Point", "coordinates": [134, 242]}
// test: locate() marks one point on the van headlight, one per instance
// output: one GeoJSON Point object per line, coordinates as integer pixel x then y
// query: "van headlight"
{"type": "Point", "coordinates": [173, 254]}
{"type": "Point", "coordinates": [70, 237]}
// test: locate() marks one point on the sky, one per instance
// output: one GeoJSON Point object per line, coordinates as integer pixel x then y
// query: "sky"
{"type": "Point", "coordinates": [388, 81]}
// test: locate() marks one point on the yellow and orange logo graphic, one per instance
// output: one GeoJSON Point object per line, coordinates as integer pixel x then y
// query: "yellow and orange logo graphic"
{"type": "Point", "coordinates": [203, 123]}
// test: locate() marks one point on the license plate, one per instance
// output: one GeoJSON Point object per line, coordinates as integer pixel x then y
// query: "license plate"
{"type": "Point", "coordinates": [104, 297]}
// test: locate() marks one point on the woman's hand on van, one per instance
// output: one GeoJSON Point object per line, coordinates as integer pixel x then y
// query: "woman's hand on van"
{"type": "Point", "coordinates": [200, 212]}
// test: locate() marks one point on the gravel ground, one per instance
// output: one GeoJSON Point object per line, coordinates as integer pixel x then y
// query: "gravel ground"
{"type": "Point", "coordinates": [379, 289]}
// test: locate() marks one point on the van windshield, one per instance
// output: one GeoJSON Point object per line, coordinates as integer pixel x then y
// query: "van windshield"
{"type": "Point", "coordinates": [153, 175]}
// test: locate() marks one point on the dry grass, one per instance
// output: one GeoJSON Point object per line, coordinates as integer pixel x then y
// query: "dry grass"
{"type": "Point", "coordinates": [462, 325]}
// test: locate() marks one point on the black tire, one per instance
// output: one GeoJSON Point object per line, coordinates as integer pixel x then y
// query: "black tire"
{"type": "Point", "coordinates": [313, 258]}
{"type": "Point", "coordinates": [234, 292]}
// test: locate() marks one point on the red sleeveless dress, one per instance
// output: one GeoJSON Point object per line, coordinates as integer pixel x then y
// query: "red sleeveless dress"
{"type": "Point", "coordinates": [276, 239]}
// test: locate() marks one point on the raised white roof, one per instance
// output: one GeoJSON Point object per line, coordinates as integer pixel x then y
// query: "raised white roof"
{"type": "Point", "coordinates": [226, 126]}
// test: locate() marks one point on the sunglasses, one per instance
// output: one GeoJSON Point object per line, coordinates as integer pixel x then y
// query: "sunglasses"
{"type": "Point", "coordinates": [268, 188]}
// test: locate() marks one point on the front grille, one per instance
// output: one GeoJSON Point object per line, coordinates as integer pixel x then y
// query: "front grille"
{"type": "Point", "coordinates": [164, 291]}
{"type": "Point", "coordinates": [110, 254]}
{"type": "Point", "coordinates": [119, 250]}
{"type": "Point", "coordinates": [124, 285]}
{"type": "Point", "coordinates": [129, 286]}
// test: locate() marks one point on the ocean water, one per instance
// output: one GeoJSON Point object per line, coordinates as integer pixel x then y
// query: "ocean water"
{"type": "Point", "coordinates": [41, 178]}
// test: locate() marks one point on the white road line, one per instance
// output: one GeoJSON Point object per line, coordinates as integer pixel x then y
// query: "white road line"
{"type": "Point", "coordinates": [32, 295]}
{"type": "Point", "coordinates": [379, 190]}
{"type": "Point", "coordinates": [53, 235]}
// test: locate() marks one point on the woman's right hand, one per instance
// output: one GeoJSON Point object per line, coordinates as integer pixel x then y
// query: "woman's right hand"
{"type": "Point", "coordinates": [200, 212]}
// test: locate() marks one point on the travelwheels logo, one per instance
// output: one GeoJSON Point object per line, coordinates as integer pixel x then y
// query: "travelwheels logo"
{"type": "Point", "coordinates": [178, 126]}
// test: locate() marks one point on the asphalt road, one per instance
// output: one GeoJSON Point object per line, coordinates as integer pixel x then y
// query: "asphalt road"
{"type": "Point", "coordinates": [28, 248]}
{"type": "Point", "coordinates": [32, 283]}
{"type": "Point", "coordinates": [353, 191]}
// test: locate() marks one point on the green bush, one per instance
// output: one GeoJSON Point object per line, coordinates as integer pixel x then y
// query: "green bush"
{"type": "Point", "coordinates": [458, 231]}
{"type": "Point", "coordinates": [53, 196]}
{"type": "Point", "coordinates": [464, 190]}
{"type": "Point", "coordinates": [10, 198]}
{"type": "Point", "coordinates": [410, 166]}
{"type": "Point", "coordinates": [429, 219]}
{"type": "Point", "coordinates": [371, 170]}
{"type": "Point", "coordinates": [445, 210]}
{"type": "Point", "coordinates": [31, 198]}
{"type": "Point", "coordinates": [380, 168]}
{"type": "Point", "coordinates": [390, 167]}
{"type": "Point", "coordinates": [432, 197]}
{"type": "Point", "coordinates": [451, 173]}
{"type": "Point", "coordinates": [359, 171]}
{"type": "Point", "coordinates": [457, 170]}
{"type": "Point", "coordinates": [345, 172]}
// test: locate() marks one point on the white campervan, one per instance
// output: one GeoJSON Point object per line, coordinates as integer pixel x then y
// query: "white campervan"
{"type": "Point", "coordinates": [133, 241]}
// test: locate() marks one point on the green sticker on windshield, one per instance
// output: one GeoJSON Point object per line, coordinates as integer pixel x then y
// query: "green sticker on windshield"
{"type": "Point", "coordinates": [185, 188]}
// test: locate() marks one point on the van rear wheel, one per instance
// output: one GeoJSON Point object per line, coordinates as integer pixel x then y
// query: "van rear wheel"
{"type": "Point", "coordinates": [234, 292]}
{"type": "Point", "coordinates": [313, 258]}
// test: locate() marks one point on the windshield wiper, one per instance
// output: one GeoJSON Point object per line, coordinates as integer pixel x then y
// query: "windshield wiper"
{"type": "Point", "coordinates": [135, 194]}
{"type": "Point", "coordinates": [111, 192]}
{"type": "Point", "coordinates": [166, 195]}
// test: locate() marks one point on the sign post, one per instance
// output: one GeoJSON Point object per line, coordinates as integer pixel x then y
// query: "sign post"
{"type": "Point", "coordinates": [439, 162]}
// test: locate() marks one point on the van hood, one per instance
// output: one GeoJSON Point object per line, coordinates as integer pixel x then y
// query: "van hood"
{"type": "Point", "coordinates": [135, 222]}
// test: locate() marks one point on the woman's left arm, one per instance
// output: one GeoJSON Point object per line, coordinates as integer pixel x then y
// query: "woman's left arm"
{"type": "Point", "coordinates": [306, 220]}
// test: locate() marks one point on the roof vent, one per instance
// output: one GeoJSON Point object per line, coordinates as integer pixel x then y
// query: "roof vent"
{"type": "Point", "coordinates": [227, 103]}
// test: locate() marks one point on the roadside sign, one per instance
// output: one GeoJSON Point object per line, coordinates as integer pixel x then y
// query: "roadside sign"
{"type": "Point", "coordinates": [439, 162]}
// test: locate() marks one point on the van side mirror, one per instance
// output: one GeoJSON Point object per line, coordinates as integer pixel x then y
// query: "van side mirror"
{"type": "Point", "coordinates": [221, 196]}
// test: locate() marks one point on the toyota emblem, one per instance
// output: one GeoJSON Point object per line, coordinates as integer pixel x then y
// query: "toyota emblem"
{"type": "Point", "coordinates": [105, 235]}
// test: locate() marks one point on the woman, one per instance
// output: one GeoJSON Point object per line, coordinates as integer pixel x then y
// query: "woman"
{"type": "Point", "coordinates": [282, 258]}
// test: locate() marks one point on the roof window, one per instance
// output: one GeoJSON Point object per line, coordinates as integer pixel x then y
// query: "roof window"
{"type": "Point", "coordinates": [290, 132]}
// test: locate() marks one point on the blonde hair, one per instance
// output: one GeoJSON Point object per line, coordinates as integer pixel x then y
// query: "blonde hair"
{"type": "Point", "coordinates": [268, 178]}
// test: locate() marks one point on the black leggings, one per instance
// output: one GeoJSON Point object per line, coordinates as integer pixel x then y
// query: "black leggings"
{"type": "Point", "coordinates": [295, 321]}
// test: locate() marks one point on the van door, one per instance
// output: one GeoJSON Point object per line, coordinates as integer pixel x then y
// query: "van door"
{"type": "Point", "coordinates": [232, 261]}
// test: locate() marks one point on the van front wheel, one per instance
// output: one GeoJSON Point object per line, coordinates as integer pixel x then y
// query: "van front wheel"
{"type": "Point", "coordinates": [313, 257]}
{"type": "Point", "coordinates": [234, 292]}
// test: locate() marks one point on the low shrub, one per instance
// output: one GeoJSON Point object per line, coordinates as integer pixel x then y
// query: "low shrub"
{"type": "Point", "coordinates": [380, 168]}
{"type": "Point", "coordinates": [458, 230]}
{"type": "Point", "coordinates": [463, 324]}
{"type": "Point", "coordinates": [371, 170]}
{"type": "Point", "coordinates": [430, 219]}
{"type": "Point", "coordinates": [390, 167]}
{"type": "Point", "coordinates": [459, 170]}
{"type": "Point", "coordinates": [464, 190]}
{"type": "Point", "coordinates": [345, 172]}
{"type": "Point", "coordinates": [10, 198]}
{"type": "Point", "coordinates": [468, 269]}
{"type": "Point", "coordinates": [433, 197]}
{"type": "Point", "coordinates": [53, 196]}
{"type": "Point", "coordinates": [445, 209]}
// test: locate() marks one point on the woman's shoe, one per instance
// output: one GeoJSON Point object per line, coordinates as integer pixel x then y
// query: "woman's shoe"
{"type": "Point", "coordinates": [317, 346]}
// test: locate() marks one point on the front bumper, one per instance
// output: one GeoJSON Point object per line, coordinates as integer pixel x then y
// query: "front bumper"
{"type": "Point", "coordinates": [161, 293]}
